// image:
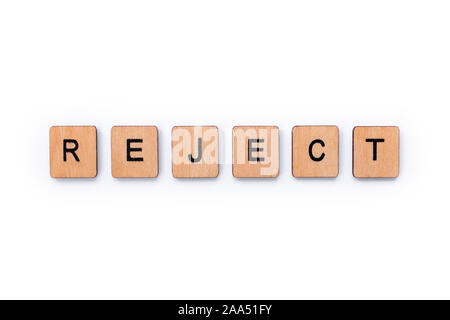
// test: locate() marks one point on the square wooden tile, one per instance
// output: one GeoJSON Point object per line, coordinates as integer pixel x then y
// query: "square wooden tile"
{"type": "Point", "coordinates": [255, 152]}
{"type": "Point", "coordinates": [195, 152]}
{"type": "Point", "coordinates": [315, 151]}
{"type": "Point", "coordinates": [376, 152]}
{"type": "Point", "coordinates": [134, 151]}
{"type": "Point", "coordinates": [73, 152]}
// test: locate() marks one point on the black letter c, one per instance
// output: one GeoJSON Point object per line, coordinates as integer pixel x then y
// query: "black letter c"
{"type": "Point", "coordinates": [313, 158]}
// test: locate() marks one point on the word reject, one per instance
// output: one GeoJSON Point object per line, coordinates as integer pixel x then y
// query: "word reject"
{"type": "Point", "coordinates": [195, 152]}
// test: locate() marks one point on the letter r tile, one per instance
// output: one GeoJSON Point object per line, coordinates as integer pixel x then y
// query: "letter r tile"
{"type": "Point", "coordinates": [73, 152]}
{"type": "Point", "coordinates": [255, 152]}
{"type": "Point", "coordinates": [195, 152]}
{"type": "Point", "coordinates": [315, 151]}
{"type": "Point", "coordinates": [376, 152]}
{"type": "Point", "coordinates": [134, 152]}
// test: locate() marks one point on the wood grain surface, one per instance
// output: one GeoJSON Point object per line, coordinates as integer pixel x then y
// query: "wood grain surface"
{"type": "Point", "coordinates": [315, 151]}
{"type": "Point", "coordinates": [195, 151]}
{"type": "Point", "coordinates": [134, 151]}
{"type": "Point", "coordinates": [386, 164]}
{"type": "Point", "coordinates": [255, 164]}
{"type": "Point", "coordinates": [82, 162]}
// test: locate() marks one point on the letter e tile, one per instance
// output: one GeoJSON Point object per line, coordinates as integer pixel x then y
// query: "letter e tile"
{"type": "Point", "coordinates": [134, 152]}
{"type": "Point", "coordinates": [255, 152]}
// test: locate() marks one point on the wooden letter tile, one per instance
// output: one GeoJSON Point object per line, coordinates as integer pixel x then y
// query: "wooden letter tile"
{"type": "Point", "coordinates": [134, 152]}
{"type": "Point", "coordinates": [255, 152]}
{"type": "Point", "coordinates": [195, 152]}
{"type": "Point", "coordinates": [315, 151]}
{"type": "Point", "coordinates": [73, 152]}
{"type": "Point", "coordinates": [376, 152]}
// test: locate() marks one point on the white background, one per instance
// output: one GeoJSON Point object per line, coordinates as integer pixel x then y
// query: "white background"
{"type": "Point", "coordinates": [224, 63]}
